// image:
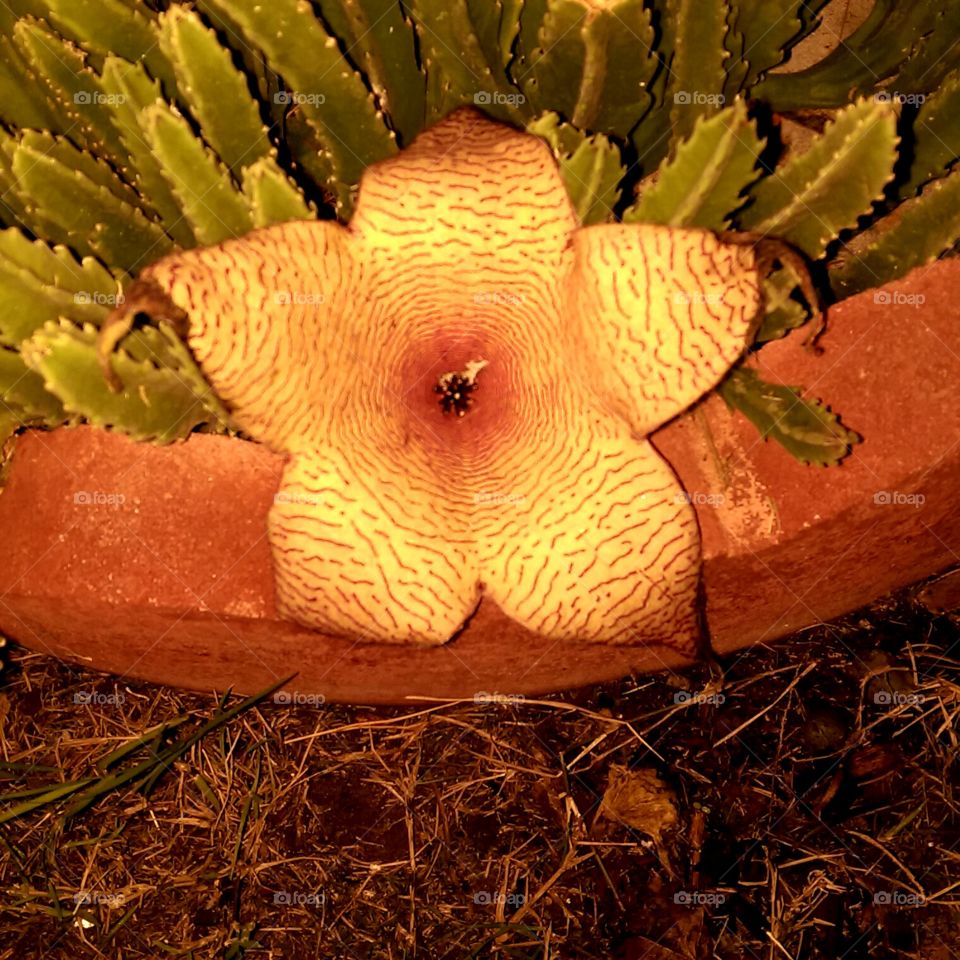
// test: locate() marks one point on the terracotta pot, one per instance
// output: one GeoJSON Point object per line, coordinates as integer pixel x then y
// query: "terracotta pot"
{"type": "Point", "coordinates": [152, 562]}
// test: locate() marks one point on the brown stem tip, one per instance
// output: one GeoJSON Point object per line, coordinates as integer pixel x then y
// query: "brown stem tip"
{"type": "Point", "coordinates": [143, 296]}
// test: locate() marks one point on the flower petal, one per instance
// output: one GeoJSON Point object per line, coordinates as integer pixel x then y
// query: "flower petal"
{"type": "Point", "coordinates": [359, 551]}
{"type": "Point", "coordinates": [662, 313]}
{"type": "Point", "coordinates": [329, 344]}
{"type": "Point", "coordinates": [597, 544]}
{"type": "Point", "coordinates": [469, 195]}
{"type": "Point", "coordinates": [267, 312]}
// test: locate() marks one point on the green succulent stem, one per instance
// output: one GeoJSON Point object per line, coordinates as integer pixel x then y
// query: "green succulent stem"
{"type": "Point", "coordinates": [128, 133]}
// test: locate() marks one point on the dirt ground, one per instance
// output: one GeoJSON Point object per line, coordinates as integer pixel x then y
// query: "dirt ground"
{"type": "Point", "coordinates": [795, 801]}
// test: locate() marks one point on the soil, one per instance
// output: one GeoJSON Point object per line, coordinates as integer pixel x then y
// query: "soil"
{"type": "Point", "coordinates": [795, 800]}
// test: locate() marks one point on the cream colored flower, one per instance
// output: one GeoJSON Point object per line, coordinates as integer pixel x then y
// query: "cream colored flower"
{"type": "Point", "coordinates": [463, 380]}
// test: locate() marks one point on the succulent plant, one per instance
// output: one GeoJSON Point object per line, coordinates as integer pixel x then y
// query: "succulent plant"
{"type": "Point", "coordinates": [133, 129]}
{"type": "Point", "coordinates": [358, 352]}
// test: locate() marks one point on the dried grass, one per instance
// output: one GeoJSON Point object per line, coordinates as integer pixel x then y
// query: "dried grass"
{"type": "Point", "coordinates": [800, 804]}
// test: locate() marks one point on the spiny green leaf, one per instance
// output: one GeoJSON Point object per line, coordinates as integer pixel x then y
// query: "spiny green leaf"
{"type": "Point", "coordinates": [73, 90]}
{"type": "Point", "coordinates": [936, 135]}
{"type": "Point", "coordinates": [441, 96]}
{"type": "Point", "coordinates": [22, 393]}
{"type": "Point", "coordinates": [736, 64]}
{"type": "Point", "coordinates": [804, 428]}
{"type": "Point", "coordinates": [26, 304]}
{"type": "Point", "coordinates": [208, 198]}
{"type": "Point", "coordinates": [123, 28]}
{"type": "Point", "coordinates": [267, 82]}
{"type": "Point", "coordinates": [379, 38]}
{"type": "Point", "coordinates": [590, 166]}
{"type": "Point", "coordinates": [273, 196]}
{"type": "Point", "coordinates": [337, 23]}
{"type": "Point", "coordinates": [532, 14]}
{"type": "Point", "coordinates": [652, 137]}
{"type": "Point", "coordinates": [57, 266]}
{"type": "Point", "coordinates": [72, 158]}
{"type": "Point", "coordinates": [13, 210]}
{"type": "Point", "coordinates": [160, 346]}
{"type": "Point", "coordinates": [471, 70]}
{"type": "Point", "coordinates": [818, 193]}
{"type": "Point", "coordinates": [68, 207]}
{"type": "Point", "coordinates": [155, 404]}
{"type": "Point", "coordinates": [808, 11]}
{"type": "Point", "coordinates": [697, 72]}
{"type": "Point", "coordinates": [703, 184]}
{"type": "Point", "coordinates": [133, 91]}
{"type": "Point", "coordinates": [22, 103]}
{"type": "Point", "coordinates": [487, 19]}
{"type": "Point", "coordinates": [593, 63]}
{"type": "Point", "coordinates": [488, 22]}
{"type": "Point", "coordinates": [308, 153]}
{"type": "Point", "coordinates": [9, 423]}
{"type": "Point", "coordinates": [215, 91]}
{"type": "Point", "coordinates": [892, 34]}
{"type": "Point", "coordinates": [509, 28]}
{"type": "Point", "coordinates": [783, 313]}
{"type": "Point", "coordinates": [760, 33]}
{"type": "Point", "coordinates": [918, 231]}
{"type": "Point", "coordinates": [39, 283]}
{"type": "Point", "coordinates": [935, 54]}
{"type": "Point", "coordinates": [331, 95]}
{"type": "Point", "coordinates": [11, 10]}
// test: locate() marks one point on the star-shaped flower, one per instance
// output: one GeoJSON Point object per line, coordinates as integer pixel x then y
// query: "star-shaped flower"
{"type": "Point", "coordinates": [463, 380]}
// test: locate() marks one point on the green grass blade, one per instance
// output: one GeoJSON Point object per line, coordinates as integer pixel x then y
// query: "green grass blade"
{"type": "Point", "coordinates": [145, 773]}
{"type": "Point", "coordinates": [149, 739]}
{"type": "Point", "coordinates": [52, 795]}
{"type": "Point", "coordinates": [217, 722]}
